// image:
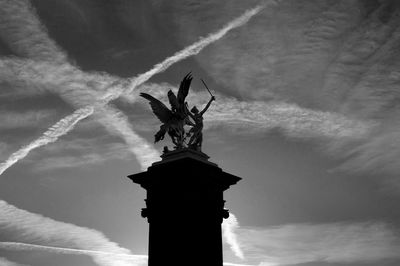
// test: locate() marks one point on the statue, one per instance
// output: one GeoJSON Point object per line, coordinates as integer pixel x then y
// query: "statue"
{"type": "Point", "coordinates": [196, 133]}
{"type": "Point", "coordinates": [175, 119]}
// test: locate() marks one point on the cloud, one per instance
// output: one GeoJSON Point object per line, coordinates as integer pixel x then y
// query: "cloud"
{"type": "Point", "coordinates": [236, 264]}
{"type": "Point", "coordinates": [27, 119]}
{"type": "Point", "coordinates": [5, 262]}
{"type": "Point", "coordinates": [137, 259]}
{"type": "Point", "coordinates": [229, 227]}
{"type": "Point", "coordinates": [86, 149]}
{"type": "Point", "coordinates": [294, 120]}
{"type": "Point", "coordinates": [18, 246]}
{"type": "Point", "coordinates": [30, 227]}
{"type": "Point", "coordinates": [81, 89]}
{"type": "Point", "coordinates": [77, 87]}
{"type": "Point", "coordinates": [190, 50]}
{"type": "Point", "coordinates": [85, 155]}
{"type": "Point", "coordinates": [318, 84]}
{"type": "Point", "coordinates": [364, 145]}
{"type": "Point", "coordinates": [72, 84]}
{"type": "Point", "coordinates": [145, 152]}
{"type": "Point", "coordinates": [31, 39]}
{"type": "Point", "coordinates": [51, 135]}
{"type": "Point", "coordinates": [126, 87]}
{"type": "Point", "coordinates": [338, 57]}
{"type": "Point", "coordinates": [262, 116]}
{"type": "Point", "coordinates": [342, 242]}
{"type": "Point", "coordinates": [3, 147]}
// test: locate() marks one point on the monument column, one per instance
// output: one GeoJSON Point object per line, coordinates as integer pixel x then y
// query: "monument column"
{"type": "Point", "coordinates": [185, 208]}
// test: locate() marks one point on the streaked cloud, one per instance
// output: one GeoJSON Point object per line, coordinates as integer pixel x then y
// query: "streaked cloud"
{"type": "Point", "coordinates": [80, 89]}
{"type": "Point", "coordinates": [31, 40]}
{"type": "Point", "coordinates": [337, 57]}
{"type": "Point", "coordinates": [136, 259]}
{"type": "Point", "coordinates": [37, 229]}
{"type": "Point", "coordinates": [342, 242]}
{"type": "Point", "coordinates": [5, 262]}
{"type": "Point", "coordinates": [18, 246]}
{"type": "Point", "coordinates": [85, 156]}
{"type": "Point", "coordinates": [330, 73]}
{"type": "Point", "coordinates": [51, 135]}
{"type": "Point", "coordinates": [262, 116]}
{"type": "Point", "coordinates": [145, 153]}
{"type": "Point", "coordinates": [26, 119]}
{"type": "Point", "coordinates": [229, 227]}
{"type": "Point", "coordinates": [126, 87]}
{"type": "Point", "coordinates": [285, 106]}
{"type": "Point", "coordinates": [236, 264]}
{"type": "Point", "coordinates": [50, 69]}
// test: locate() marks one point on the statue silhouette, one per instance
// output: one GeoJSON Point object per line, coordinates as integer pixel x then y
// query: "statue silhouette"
{"type": "Point", "coordinates": [178, 116]}
{"type": "Point", "coordinates": [173, 120]}
{"type": "Point", "coordinates": [184, 204]}
{"type": "Point", "coordinates": [196, 131]}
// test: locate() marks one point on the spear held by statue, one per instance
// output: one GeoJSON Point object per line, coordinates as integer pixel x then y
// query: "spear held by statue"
{"type": "Point", "coordinates": [205, 85]}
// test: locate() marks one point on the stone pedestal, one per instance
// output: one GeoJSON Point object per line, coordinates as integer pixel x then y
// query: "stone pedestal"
{"type": "Point", "coordinates": [185, 208]}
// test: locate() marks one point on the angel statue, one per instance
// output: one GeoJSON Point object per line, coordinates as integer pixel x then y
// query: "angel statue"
{"type": "Point", "coordinates": [175, 119]}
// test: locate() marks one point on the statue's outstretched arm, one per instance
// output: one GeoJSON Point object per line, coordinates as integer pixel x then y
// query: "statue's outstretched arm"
{"type": "Point", "coordinates": [208, 105]}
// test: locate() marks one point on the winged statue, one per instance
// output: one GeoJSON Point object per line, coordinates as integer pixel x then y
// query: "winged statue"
{"type": "Point", "coordinates": [173, 120]}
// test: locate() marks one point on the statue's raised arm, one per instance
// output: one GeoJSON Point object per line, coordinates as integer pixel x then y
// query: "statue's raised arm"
{"type": "Point", "coordinates": [196, 132]}
{"type": "Point", "coordinates": [208, 105]}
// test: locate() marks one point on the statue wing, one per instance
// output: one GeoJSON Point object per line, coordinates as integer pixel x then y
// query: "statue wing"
{"type": "Point", "coordinates": [159, 109]}
{"type": "Point", "coordinates": [184, 88]}
{"type": "Point", "coordinates": [173, 101]}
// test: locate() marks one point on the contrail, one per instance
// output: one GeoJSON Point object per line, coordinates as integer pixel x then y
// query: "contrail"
{"type": "Point", "coordinates": [28, 227]}
{"type": "Point", "coordinates": [138, 259]}
{"type": "Point", "coordinates": [31, 39]}
{"type": "Point", "coordinates": [189, 51]}
{"type": "Point", "coordinates": [71, 84]}
{"type": "Point", "coordinates": [73, 251]}
{"type": "Point", "coordinates": [228, 232]}
{"type": "Point", "coordinates": [24, 33]}
{"type": "Point", "coordinates": [127, 87]}
{"type": "Point", "coordinates": [117, 121]}
{"type": "Point", "coordinates": [58, 75]}
{"type": "Point", "coordinates": [51, 135]}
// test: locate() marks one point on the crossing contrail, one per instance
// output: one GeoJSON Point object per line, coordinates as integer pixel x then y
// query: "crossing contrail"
{"type": "Point", "coordinates": [59, 129]}
{"type": "Point", "coordinates": [43, 65]}
{"type": "Point", "coordinates": [126, 87]}
{"type": "Point", "coordinates": [115, 120]}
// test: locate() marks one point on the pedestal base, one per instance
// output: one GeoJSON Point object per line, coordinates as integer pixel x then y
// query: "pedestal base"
{"type": "Point", "coordinates": [185, 208]}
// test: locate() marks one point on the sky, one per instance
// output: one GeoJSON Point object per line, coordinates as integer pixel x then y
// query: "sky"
{"type": "Point", "coordinates": [306, 109]}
